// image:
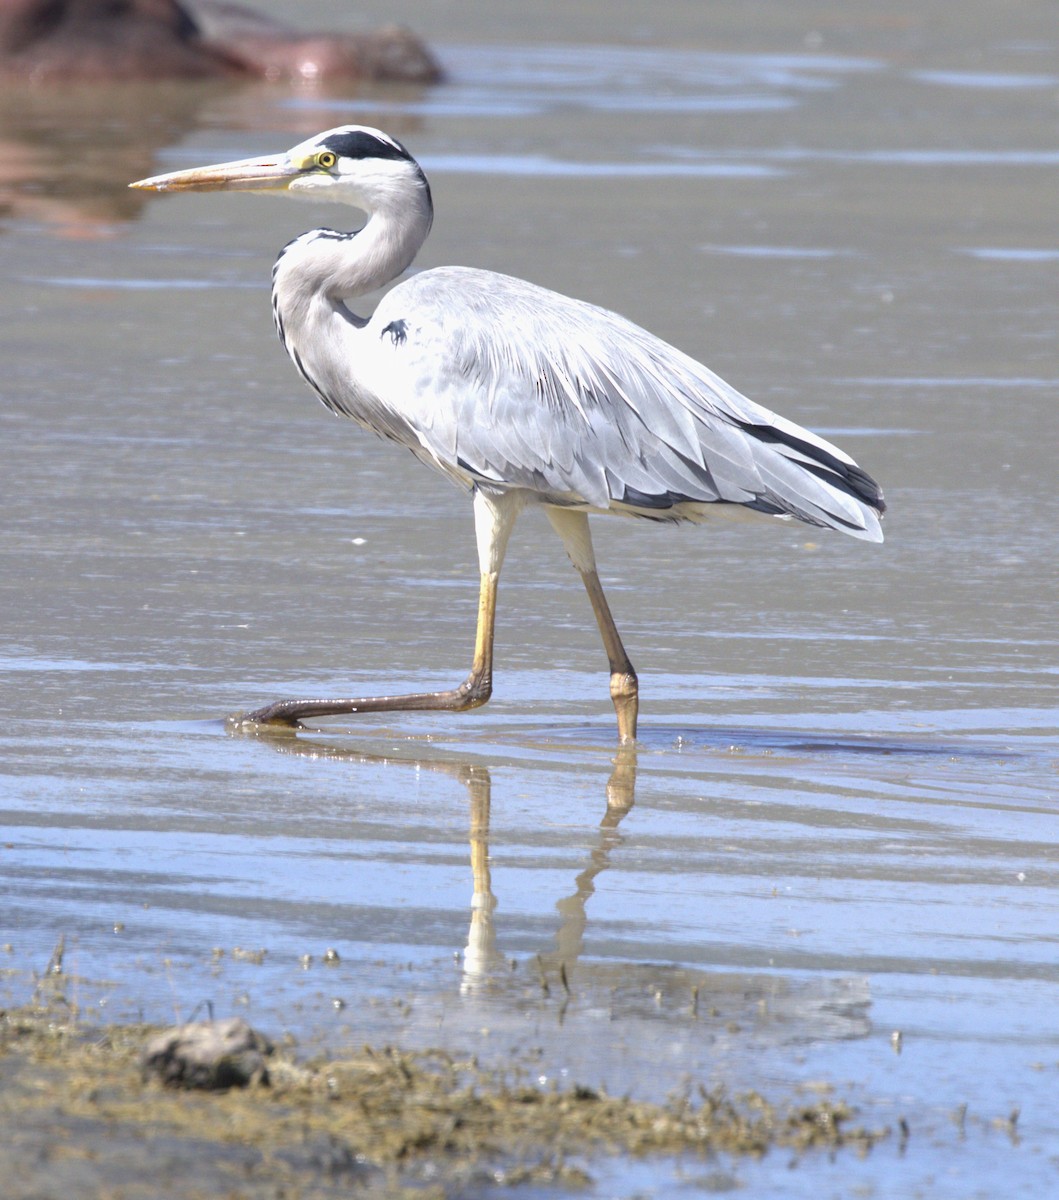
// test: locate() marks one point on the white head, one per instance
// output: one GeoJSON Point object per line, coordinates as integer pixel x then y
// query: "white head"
{"type": "Point", "coordinates": [352, 164]}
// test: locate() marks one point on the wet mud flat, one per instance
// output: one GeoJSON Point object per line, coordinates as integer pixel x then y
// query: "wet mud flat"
{"type": "Point", "coordinates": [84, 1113]}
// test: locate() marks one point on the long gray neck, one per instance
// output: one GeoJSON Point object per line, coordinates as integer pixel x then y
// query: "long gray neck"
{"type": "Point", "coordinates": [317, 272]}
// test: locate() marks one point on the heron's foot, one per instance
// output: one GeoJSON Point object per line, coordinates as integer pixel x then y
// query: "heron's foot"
{"type": "Point", "coordinates": [289, 715]}
{"type": "Point", "coordinates": [273, 718]}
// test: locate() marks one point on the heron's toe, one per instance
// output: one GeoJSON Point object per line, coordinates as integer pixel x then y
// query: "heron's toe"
{"type": "Point", "coordinates": [261, 721]}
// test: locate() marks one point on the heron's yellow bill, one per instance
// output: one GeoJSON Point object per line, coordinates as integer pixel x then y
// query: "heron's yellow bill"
{"type": "Point", "coordinates": [268, 174]}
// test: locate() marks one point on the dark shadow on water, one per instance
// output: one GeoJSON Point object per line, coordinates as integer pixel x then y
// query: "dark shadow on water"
{"type": "Point", "coordinates": [750, 740]}
{"type": "Point", "coordinates": [732, 739]}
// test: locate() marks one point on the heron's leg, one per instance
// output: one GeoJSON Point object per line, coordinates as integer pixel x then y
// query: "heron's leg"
{"type": "Point", "coordinates": [494, 517]}
{"type": "Point", "coordinates": [572, 527]}
{"type": "Point", "coordinates": [624, 689]}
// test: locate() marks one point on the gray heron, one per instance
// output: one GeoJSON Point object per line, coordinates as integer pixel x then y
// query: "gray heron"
{"type": "Point", "coordinates": [521, 395]}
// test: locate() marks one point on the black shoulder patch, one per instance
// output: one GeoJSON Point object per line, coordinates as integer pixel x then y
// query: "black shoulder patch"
{"type": "Point", "coordinates": [398, 332]}
{"type": "Point", "coordinates": [359, 143]}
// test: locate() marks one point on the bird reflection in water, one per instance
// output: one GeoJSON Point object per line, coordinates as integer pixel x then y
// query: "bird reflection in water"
{"type": "Point", "coordinates": [664, 1008]}
{"type": "Point", "coordinates": [482, 958]}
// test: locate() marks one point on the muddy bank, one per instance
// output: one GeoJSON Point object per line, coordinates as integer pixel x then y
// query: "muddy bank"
{"type": "Point", "coordinates": [81, 1115]}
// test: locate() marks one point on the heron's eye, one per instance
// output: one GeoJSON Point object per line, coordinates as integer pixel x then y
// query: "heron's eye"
{"type": "Point", "coordinates": [326, 159]}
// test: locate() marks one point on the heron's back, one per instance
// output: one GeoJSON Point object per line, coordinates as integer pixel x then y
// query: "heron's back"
{"type": "Point", "coordinates": [506, 384]}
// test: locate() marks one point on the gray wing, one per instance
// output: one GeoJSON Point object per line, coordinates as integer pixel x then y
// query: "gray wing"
{"type": "Point", "coordinates": [517, 386]}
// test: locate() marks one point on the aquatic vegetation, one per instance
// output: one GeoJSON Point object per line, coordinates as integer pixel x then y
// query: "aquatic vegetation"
{"type": "Point", "coordinates": [377, 1113]}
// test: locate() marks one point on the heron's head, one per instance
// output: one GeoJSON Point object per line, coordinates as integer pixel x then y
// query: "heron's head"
{"type": "Point", "coordinates": [352, 164]}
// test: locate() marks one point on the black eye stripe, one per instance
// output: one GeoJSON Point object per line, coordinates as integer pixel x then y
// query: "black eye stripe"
{"type": "Point", "coordinates": [361, 144]}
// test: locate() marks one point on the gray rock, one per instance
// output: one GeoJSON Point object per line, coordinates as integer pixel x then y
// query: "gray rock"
{"type": "Point", "coordinates": [213, 1055]}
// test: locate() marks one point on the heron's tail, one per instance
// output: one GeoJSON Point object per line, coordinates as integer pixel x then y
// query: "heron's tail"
{"type": "Point", "coordinates": [808, 478]}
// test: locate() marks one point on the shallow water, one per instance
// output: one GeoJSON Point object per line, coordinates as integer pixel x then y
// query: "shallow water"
{"type": "Point", "coordinates": [840, 822]}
